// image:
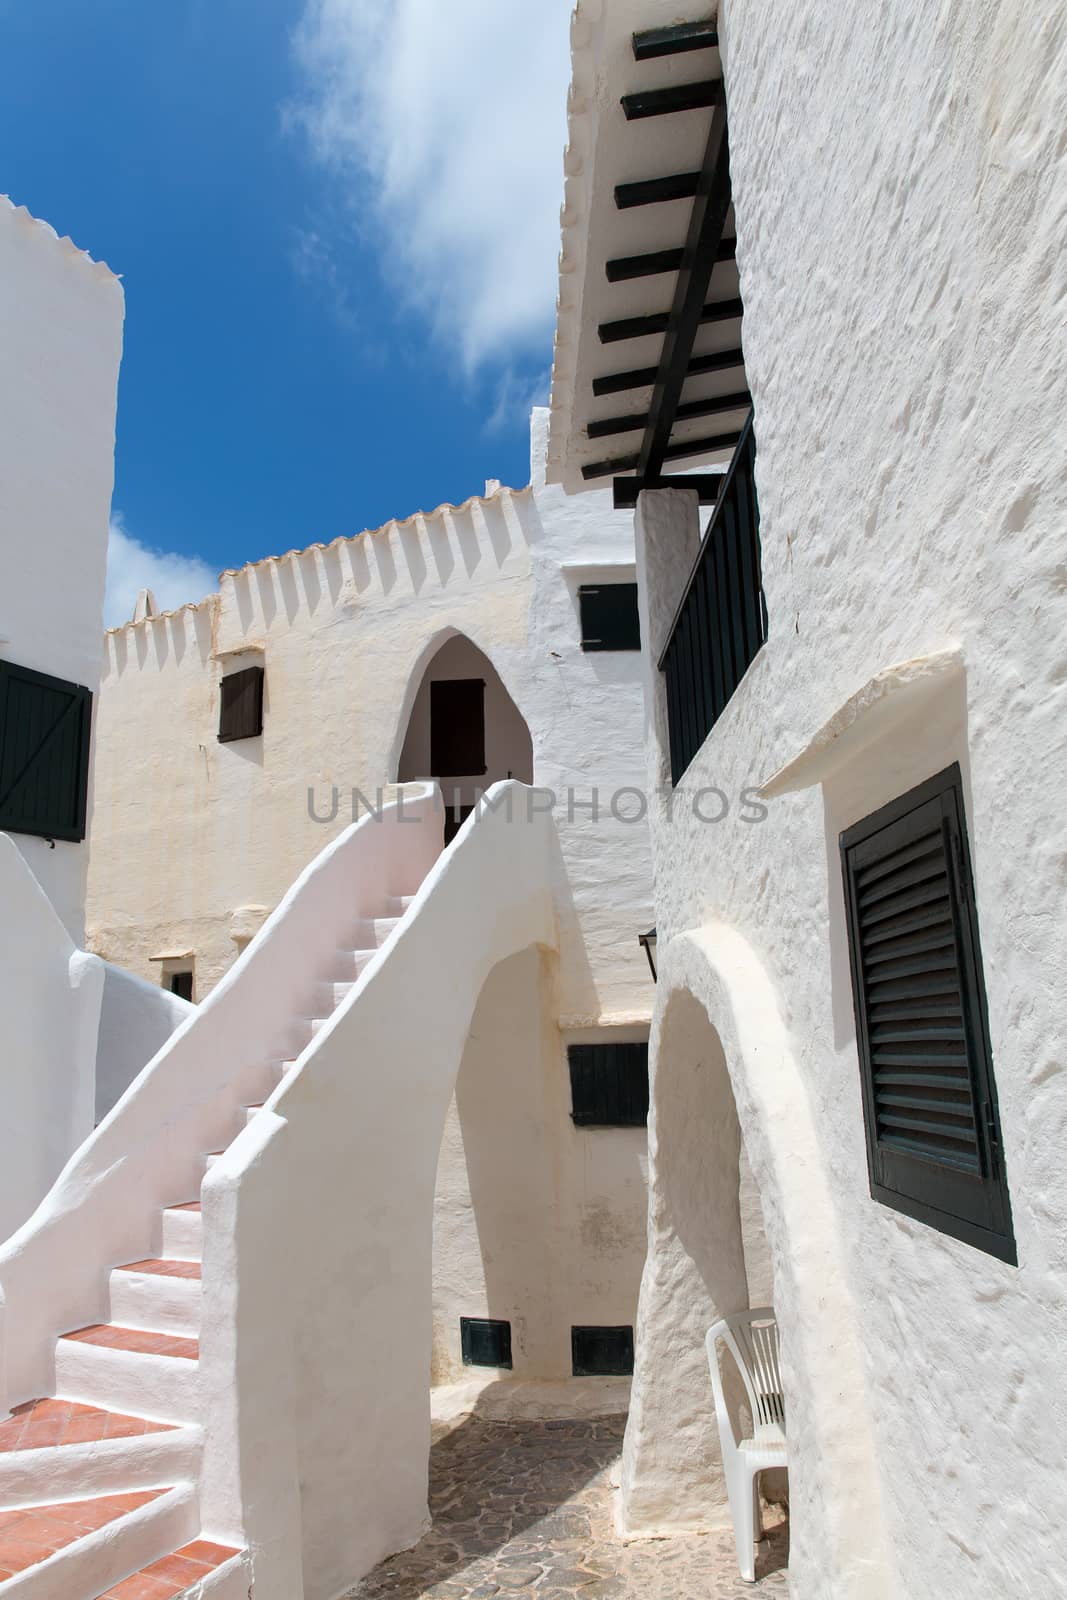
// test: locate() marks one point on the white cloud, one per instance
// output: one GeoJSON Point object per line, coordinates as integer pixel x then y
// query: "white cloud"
{"type": "Point", "coordinates": [132, 566]}
{"type": "Point", "coordinates": [455, 116]}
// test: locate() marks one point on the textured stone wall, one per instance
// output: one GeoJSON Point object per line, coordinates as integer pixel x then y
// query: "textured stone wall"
{"type": "Point", "coordinates": [900, 194]}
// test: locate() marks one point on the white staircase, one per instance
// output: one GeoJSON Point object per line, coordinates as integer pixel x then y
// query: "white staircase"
{"type": "Point", "coordinates": [99, 1483]}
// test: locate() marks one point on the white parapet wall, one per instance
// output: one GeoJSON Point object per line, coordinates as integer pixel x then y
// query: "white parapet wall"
{"type": "Point", "coordinates": [50, 998]}
{"type": "Point", "coordinates": [317, 1309]}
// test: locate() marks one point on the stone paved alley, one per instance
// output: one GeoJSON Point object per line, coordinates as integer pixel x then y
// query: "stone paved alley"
{"type": "Point", "coordinates": [525, 1507]}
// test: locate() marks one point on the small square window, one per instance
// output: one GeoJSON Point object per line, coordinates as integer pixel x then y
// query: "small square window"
{"type": "Point", "coordinates": [485, 1343]}
{"type": "Point", "coordinates": [602, 1352]}
{"type": "Point", "coordinates": [241, 705]}
{"type": "Point", "coordinates": [610, 618]}
{"type": "Point", "coordinates": [609, 1085]}
{"type": "Point", "coordinates": [181, 984]}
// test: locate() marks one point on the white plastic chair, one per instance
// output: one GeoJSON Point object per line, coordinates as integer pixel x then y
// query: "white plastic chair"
{"type": "Point", "coordinates": [752, 1339]}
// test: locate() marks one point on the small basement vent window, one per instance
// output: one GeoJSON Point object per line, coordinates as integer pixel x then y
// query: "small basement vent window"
{"type": "Point", "coordinates": [609, 1085]}
{"type": "Point", "coordinates": [609, 616]}
{"type": "Point", "coordinates": [44, 754]}
{"type": "Point", "coordinates": [602, 1352]}
{"type": "Point", "coordinates": [929, 1097]}
{"type": "Point", "coordinates": [241, 705]}
{"type": "Point", "coordinates": [485, 1343]}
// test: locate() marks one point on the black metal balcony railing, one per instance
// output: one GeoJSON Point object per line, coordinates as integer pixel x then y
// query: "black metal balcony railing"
{"type": "Point", "coordinates": [721, 622]}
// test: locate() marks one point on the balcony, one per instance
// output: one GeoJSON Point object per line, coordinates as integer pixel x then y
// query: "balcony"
{"type": "Point", "coordinates": [721, 621]}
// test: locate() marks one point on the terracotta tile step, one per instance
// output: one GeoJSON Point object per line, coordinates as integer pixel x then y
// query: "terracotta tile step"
{"type": "Point", "coordinates": [33, 1533]}
{"type": "Point", "coordinates": [172, 1576]}
{"type": "Point", "coordinates": [137, 1340]}
{"type": "Point", "coordinates": [163, 1269]}
{"type": "Point", "coordinates": [188, 1205]}
{"type": "Point", "coordinates": [40, 1424]}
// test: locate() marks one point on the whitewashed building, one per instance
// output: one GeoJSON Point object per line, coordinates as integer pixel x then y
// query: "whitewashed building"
{"type": "Point", "coordinates": [402, 1132]}
{"type": "Point", "coordinates": [60, 344]}
{"type": "Point", "coordinates": [825, 356]}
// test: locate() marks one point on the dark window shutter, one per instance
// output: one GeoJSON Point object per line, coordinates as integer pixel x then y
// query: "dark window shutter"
{"type": "Point", "coordinates": [602, 1352]}
{"type": "Point", "coordinates": [610, 619]}
{"type": "Point", "coordinates": [485, 1343]}
{"type": "Point", "coordinates": [929, 1095]}
{"type": "Point", "coordinates": [609, 1085]}
{"type": "Point", "coordinates": [457, 728]}
{"type": "Point", "coordinates": [241, 705]}
{"type": "Point", "coordinates": [45, 726]}
{"type": "Point", "coordinates": [181, 984]}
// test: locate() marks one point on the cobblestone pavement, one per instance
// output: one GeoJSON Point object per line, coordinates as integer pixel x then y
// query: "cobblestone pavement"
{"type": "Point", "coordinates": [525, 1508]}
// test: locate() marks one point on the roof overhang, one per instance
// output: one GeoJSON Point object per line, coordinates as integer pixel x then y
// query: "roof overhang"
{"type": "Point", "coordinates": [648, 380]}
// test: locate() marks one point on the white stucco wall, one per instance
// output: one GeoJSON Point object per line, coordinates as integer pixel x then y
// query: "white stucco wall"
{"type": "Point", "coordinates": [537, 1222]}
{"type": "Point", "coordinates": [899, 190]}
{"type": "Point", "coordinates": [187, 831]}
{"type": "Point", "coordinates": [60, 344]}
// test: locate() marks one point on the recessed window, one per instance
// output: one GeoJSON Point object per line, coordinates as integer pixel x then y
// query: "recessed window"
{"type": "Point", "coordinates": [44, 754]}
{"type": "Point", "coordinates": [929, 1096]}
{"type": "Point", "coordinates": [610, 618]}
{"type": "Point", "coordinates": [602, 1352]}
{"type": "Point", "coordinates": [181, 984]}
{"type": "Point", "coordinates": [485, 1342]}
{"type": "Point", "coordinates": [609, 1085]}
{"type": "Point", "coordinates": [241, 705]}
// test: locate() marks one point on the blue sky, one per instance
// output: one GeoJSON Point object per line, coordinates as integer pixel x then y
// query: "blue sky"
{"type": "Point", "coordinates": [336, 223]}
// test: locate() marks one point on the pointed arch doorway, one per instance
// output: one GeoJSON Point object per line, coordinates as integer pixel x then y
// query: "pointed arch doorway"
{"type": "Point", "coordinates": [464, 729]}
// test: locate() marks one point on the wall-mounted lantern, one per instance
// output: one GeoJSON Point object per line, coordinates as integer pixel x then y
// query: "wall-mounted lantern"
{"type": "Point", "coordinates": [647, 941]}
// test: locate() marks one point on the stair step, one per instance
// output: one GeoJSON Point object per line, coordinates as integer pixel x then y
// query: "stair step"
{"type": "Point", "coordinates": [373, 931]}
{"type": "Point", "coordinates": [159, 1294]}
{"type": "Point", "coordinates": [183, 1232]}
{"type": "Point", "coordinates": [250, 1112]}
{"type": "Point", "coordinates": [211, 1571]}
{"type": "Point", "coordinates": [131, 1370]}
{"type": "Point", "coordinates": [397, 904]}
{"type": "Point", "coordinates": [330, 995]}
{"type": "Point", "coordinates": [50, 1424]}
{"type": "Point", "coordinates": [350, 964]}
{"type": "Point", "coordinates": [79, 1549]}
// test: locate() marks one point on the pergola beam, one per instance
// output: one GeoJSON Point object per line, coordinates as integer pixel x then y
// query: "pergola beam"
{"type": "Point", "coordinates": [660, 321]}
{"type": "Point", "coordinates": [656, 191]}
{"type": "Point", "coordinates": [673, 452]}
{"type": "Point", "coordinates": [673, 41]}
{"type": "Point", "coordinates": [714, 406]}
{"type": "Point", "coordinates": [706, 484]}
{"type": "Point", "coordinates": [645, 377]}
{"type": "Point", "coordinates": [678, 97]}
{"type": "Point", "coordinates": [624, 268]}
{"type": "Point", "coordinates": [706, 227]}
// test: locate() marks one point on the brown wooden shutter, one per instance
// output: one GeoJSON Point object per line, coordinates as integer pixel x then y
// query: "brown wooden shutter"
{"type": "Point", "coordinates": [241, 705]}
{"type": "Point", "coordinates": [457, 728]}
{"type": "Point", "coordinates": [45, 727]}
{"type": "Point", "coordinates": [929, 1095]}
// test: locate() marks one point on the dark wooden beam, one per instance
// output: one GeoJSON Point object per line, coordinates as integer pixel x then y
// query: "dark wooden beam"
{"type": "Point", "coordinates": [678, 97]}
{"type": "Point", "coordinates": [636, 423]}
{"type": "Point", "coordinates": [673, 452]}
{"type": "Point", "coordinates": [656, 191]}
{"type": "Point", "coordinates": [623, 268]}
{"type": "Point", "coordinates": [644, 377]}
{"type": "Point", "coordinates": [653, 42]}
{"type": "Point", "coordinates": [706, 227]}
{"type": "Point", "coordinates": [706, 484]}
{"type": "Point", "coordinates": [660, 321]}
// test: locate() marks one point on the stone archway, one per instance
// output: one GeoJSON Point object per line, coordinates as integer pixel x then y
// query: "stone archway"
{"type": "Point", "coordinates": [722, 1072]}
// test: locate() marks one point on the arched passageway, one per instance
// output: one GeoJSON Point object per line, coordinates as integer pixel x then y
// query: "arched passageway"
{"type": "Point", "coordinates": [724, 1081]}
{"type": "Point", "coordinates": [464, 729]}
